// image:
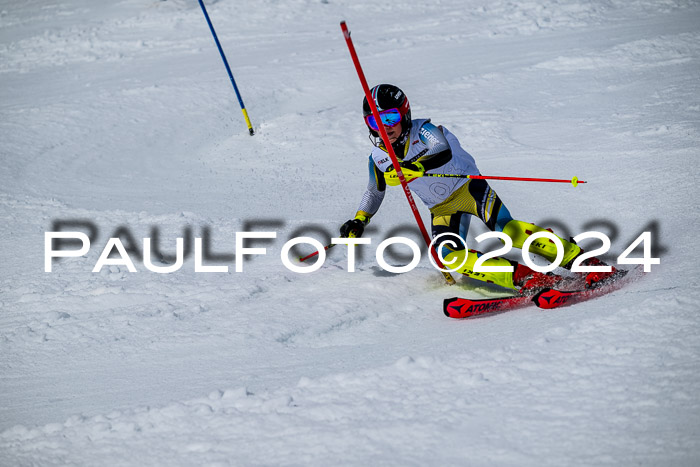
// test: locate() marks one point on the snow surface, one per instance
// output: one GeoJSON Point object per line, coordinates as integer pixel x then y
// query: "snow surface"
{"type": "Point", "coordinates": [120, 115]}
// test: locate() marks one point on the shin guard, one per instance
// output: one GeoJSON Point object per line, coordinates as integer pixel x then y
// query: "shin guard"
{"type": "Point", "coordinates": [455, 258]}
{"type": "Point", "coordinates": [519, 231]}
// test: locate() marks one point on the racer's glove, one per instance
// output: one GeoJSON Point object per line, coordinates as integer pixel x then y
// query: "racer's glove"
{"type": "Point", "coordinates": [354, 227]}
{"type": "Point", "coordinates": [410, 171]}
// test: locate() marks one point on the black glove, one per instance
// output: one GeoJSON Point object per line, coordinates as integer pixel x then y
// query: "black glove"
{"type": "Point", "coordinates": [352, 228]}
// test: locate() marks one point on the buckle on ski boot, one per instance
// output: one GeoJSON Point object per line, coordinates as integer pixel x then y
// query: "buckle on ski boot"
{"type": "Point", "coordinates": [597, 278]}
{"type": "Point", "coordinates": [530, 282]}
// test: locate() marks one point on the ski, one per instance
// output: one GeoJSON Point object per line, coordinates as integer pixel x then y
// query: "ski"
{"type": "Point", "coordinates": [456, 307]}
{"type": "Point", "coordinates": [546, 298]}
{"type": "Point", "coordinates": [554, 298]}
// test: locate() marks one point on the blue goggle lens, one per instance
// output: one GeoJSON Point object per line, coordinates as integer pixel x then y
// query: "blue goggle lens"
{"type": "Point", "coordinates": [390, 118]}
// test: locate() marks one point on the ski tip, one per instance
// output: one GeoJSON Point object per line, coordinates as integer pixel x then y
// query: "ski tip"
{"type": "Point", "coordinates": [446, 306]}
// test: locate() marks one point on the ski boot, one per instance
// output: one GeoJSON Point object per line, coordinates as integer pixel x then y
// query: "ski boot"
{"type": "Point", "coordinates": [530, 282]}
{"type": "Point", "coordinates": [595, 278]}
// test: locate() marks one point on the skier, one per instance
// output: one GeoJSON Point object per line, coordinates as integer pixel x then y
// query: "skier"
{"type": "Point", "coordinates": [421, 147]}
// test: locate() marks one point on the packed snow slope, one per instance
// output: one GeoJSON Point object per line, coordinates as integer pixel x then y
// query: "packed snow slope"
{"type": "Point", "coordinates": [117, 119]}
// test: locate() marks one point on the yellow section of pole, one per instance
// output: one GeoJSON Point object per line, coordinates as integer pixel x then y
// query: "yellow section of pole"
{"type": "Point", "coordinates": [247, 121]}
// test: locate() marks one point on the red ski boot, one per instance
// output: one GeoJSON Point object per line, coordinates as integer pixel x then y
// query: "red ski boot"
{"type": "Point", "coordinates": [596, 278]}
{"type": "Point", "coordinates": [531, 282]}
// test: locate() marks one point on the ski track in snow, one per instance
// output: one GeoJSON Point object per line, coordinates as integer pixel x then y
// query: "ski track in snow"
{"type": "Point", "coordinates": [122, 116]}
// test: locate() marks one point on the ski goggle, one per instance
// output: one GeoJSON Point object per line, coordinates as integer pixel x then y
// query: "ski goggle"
{"type": "Point", "coordinates": [389, 117]}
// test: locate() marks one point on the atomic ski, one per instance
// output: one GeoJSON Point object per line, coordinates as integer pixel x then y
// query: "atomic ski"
{"type": "Point", "coordinates": [547, 298]}
{"type": "Point", "coordinates": [553, 298]}
{"type": "Point", "coordinates": [456, 307]}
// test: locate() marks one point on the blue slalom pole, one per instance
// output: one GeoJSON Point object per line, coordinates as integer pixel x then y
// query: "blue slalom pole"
{"type": "Point", "coordinates": [228, 69]}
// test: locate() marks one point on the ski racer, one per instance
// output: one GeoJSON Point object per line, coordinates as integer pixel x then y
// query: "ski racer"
{"type": "Point", "coordinates": [422, 147]}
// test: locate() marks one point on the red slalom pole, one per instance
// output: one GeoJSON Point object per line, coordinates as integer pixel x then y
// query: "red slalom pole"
{"type": "Point", "coordinates": [574, 181]}
{"type": "Point", "coordinates": [326, 248]}
{"type": "Point", "coordinates": [448, 277]}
